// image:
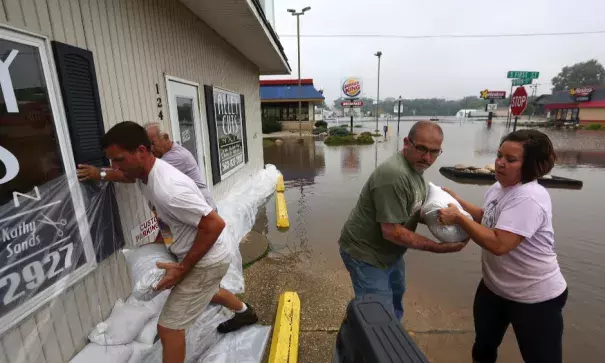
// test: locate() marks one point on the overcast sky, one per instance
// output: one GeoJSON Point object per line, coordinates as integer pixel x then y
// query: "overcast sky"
{"type": "Point", "coordinates": [445, 68]}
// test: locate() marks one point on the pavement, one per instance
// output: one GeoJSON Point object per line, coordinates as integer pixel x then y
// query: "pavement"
{"type": "Point", "coordinates": [444, 332]}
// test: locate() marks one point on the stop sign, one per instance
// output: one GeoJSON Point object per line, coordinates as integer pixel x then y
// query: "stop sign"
{"type": "Point", "coordinates": [518, 102]}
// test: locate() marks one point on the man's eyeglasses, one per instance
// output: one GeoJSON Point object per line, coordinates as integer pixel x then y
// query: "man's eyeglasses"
{"type": "Point", "coordinates": [423, 150]}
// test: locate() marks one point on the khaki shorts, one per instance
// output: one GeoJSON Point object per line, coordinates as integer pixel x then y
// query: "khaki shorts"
{"type": "Point", "coordinates": [189, 298]}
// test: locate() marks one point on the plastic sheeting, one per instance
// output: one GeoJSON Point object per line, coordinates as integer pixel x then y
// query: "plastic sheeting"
{"type": "Point", "coordinates": [439, 199]}
{"type": "Point", "coordinates": [50, 232]}
{"type": "Point", "coordinates": [239, 209]}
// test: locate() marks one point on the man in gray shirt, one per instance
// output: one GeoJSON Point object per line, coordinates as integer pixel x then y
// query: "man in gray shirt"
{"type": "Point", "coordinates": [177, 156]}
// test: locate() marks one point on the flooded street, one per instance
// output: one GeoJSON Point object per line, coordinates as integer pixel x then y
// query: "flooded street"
{"type": "Point", "coordinates": [323, 183]}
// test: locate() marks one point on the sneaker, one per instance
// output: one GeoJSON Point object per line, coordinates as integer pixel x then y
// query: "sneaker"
{"type": "Point", "coordinates": [239, 321]}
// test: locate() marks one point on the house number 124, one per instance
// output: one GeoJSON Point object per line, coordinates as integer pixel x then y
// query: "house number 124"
{"type": "Point", "coordinates": [159, 101]}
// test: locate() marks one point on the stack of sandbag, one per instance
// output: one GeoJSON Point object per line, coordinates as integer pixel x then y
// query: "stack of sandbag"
{"type": "Point", "coordinates": [438, 199]}
{"type": "Point", "coordinates": [128, 332]}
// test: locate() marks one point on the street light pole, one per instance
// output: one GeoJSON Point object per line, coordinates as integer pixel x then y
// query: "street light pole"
{"type": "Point", "coordinates": [298, 14]}
{"type": "Point", "coordinates": [398, 114]}
{"type": "Point", "coordinates": [378, 54]}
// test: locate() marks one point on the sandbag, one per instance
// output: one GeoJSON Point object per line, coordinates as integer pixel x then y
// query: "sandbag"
{"type": "Point", "coordinates": [138, 350]}
{"type": "Point", "coordinates": [144, 273]}
{"type": "Point", "coordinates": [124, 323]}
{"type": "Point", "coordinates": [149, 332]}
{"type": "Point", "coordinates": [94, 353]}
{"type": "Point", "coordinates": [438, 199]}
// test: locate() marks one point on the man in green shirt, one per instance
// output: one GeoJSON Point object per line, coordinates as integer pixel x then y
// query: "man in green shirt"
{"type": "Point", "coordinates": [381, 227]}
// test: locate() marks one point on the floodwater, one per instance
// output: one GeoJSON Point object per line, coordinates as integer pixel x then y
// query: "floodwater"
{"type": "Point", "coordinates": [323, 183]}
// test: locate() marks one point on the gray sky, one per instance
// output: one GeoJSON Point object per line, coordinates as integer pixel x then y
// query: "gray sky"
{"type": "Point", "coordinates": [445, 68]}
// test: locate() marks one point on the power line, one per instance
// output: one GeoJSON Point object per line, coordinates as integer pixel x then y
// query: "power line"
{"type": "Point", "coordinates": [442, 36]}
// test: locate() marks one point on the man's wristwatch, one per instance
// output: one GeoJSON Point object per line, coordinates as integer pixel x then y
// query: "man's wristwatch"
{"type": "Point", "coordinates": [103, 173]}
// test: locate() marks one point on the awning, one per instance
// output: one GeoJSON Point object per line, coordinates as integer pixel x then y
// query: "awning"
{"type": "Point", "coordinates": [242, 23]}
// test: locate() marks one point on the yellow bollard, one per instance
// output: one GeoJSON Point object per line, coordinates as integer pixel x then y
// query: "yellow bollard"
{"type": "Point", "coordinates": [280, 184]}
{"type": "Point", "coordinates": [284, 343]}
{"type": "Point", "coordinates": [281, 211]}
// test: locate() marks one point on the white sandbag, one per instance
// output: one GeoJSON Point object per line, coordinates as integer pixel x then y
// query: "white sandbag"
{"type": "Point", "coordinates": [124, 323]}
{"type": "Point", "coordinates": [438, 199]}
{"type": "Point", "coordinates": [138, 350]}
{"type": "Point", "coordinates": [144, 273]}
{"type": "Point", "coordinates": [94, 353]}
{"type": "Point", "coordinates": [156, 304]}
{"type": "Point", "coordinates": [149, 332]}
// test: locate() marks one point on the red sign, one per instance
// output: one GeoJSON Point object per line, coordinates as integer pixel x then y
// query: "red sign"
{"type": "Point", "coordinates": [493, 95]}
{"type": "Point", "coordinates": [581, 94]}
{"type": "Point", "coordinates": [351, 103]}
{"type": "Point", "coordinates": [519, 101]}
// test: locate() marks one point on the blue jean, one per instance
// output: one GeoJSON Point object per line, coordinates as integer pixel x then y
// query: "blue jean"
{"type": "Point", "coordinates": [388, 283]}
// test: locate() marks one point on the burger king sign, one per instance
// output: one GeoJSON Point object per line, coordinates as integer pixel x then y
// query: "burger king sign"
{"type": "Point", "coordinates": [351, 87]}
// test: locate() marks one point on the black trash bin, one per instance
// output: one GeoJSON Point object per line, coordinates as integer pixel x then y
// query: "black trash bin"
{"type": "Point", "coordinates": [370, 333]}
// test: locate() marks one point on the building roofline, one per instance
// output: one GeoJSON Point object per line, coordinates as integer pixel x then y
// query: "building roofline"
{"type": "Point", "coordinates": [285, 82]}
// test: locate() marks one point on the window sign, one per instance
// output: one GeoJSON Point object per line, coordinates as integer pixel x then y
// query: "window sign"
{"type": "Point", "coordinates": [40, 240]}
{"type": "Point", "coordinates": [229, 131]}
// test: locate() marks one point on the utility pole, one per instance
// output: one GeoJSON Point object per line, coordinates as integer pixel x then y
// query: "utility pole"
{"type": "Point", "coordinates": [378, 54]}
{"type": "Point", "coordinates": [534, 92]}
{"type": "Point", "coordinates": [398, 114]}
{"type": "Point", "coordinates": [298, 14]}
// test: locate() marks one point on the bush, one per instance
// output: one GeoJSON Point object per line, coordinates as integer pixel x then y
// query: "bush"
{"type": "Point", "coordinates": [319, 130]}
{"type": "Point", "coordinates": [363, 139]}
{"type": "Point", "coordinates": [594, 127]}
{"type": "Point", "coordinates": [271, 124]}
{"type": "Point", "coordinates": [358, 126]}
{"type": "Point", "coordinates": [321, 125]}
{"type": "Point", "coordinates": [338, 131]}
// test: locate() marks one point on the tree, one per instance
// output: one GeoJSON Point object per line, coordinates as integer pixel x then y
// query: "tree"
{"type": "Point", "coordinates": [590, 73]}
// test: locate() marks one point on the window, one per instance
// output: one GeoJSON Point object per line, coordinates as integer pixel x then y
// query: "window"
{"type": "Point", "coordinates": [564, 114]}
{"type": "Point", "coordinates": [285, 111]}
{"type": "Point", "coordinates": [574, 114]}
{"type": "Point", "coordinates": [43, 245]}
{"type": "Point", "coordinates": [558, 116]}
{"type": "Point", "coordinates": [227, 128]}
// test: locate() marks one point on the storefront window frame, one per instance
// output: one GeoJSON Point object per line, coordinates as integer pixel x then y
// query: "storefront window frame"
{"type": "Point", "coordinates": [42, 43]}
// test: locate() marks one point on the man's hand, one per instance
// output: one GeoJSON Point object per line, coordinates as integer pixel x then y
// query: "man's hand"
{"type": "Point", "coordinates": [449, 247]}
{"type": "Point", "coordinates": [88, 172]}
{"type": "Point", "coordinates": [175, 272]}
{"type": "Point", "coordinates": [449, 215]}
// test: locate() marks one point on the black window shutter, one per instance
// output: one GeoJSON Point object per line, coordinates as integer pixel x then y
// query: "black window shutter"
{"type": "Point", "coordinates": [78, 81]}
{"type": "Point", "coordinates": [214, 161]}
{"type": "Point", "coordinates": [76, 71]}
{"type": "Point", "coordinates": [245, 133]}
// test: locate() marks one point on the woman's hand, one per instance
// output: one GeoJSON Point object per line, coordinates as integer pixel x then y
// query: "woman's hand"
{"type": "Point", "coordinates": [449, 215]}
{"type": "Point", "coordinates": [450, 192]}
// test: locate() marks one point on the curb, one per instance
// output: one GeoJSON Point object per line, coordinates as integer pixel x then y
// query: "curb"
{"type": "Point", "coordinates": [284, 343]}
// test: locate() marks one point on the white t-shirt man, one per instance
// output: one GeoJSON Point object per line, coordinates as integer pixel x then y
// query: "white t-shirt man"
{"type": "Point", "coordinates": [180, 204]}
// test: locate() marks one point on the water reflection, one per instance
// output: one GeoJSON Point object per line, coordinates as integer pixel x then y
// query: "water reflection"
{"type": "Point", "coordinates": [298, 162]}
{"type": "Point", "coordinates": [350, 159]}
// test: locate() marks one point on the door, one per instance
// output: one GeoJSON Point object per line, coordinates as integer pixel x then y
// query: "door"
{"type": "Point", "coordinates": [185, 117]}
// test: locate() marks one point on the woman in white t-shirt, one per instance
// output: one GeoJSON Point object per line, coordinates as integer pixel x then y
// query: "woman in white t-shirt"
{"type": "Point", "coordinates": [522, 284]}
